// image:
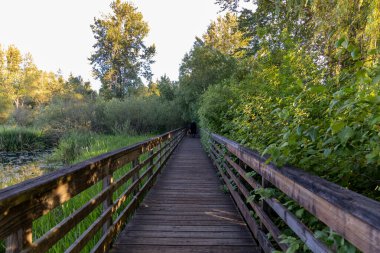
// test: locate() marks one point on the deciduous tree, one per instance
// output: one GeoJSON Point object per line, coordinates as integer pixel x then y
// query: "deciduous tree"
{"type": "Point", "coordinates": [121, 57]}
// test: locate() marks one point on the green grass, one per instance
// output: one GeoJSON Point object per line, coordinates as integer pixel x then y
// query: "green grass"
{"type": "Point", "coordinates": [21, 138]}
{"type": "Point", "coordinates": [86, 146]}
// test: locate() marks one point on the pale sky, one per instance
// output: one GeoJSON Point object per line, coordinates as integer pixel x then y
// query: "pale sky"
{"type": "Point", "coordinates": [57, 32]}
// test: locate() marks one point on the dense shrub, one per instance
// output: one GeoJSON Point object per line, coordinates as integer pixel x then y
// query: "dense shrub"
{"type": "Point", "coordinates": [129, 116]}
{"type": "Point", "coordinates": [283, 108]}
{"type": "Point", "coordinates": [62, 116]}
{"type": "Point", "coordinates": [22, 116]}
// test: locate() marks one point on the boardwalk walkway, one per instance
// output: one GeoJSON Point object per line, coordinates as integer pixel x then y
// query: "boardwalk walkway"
{"type": "Point", "coordinates": [186, 211]}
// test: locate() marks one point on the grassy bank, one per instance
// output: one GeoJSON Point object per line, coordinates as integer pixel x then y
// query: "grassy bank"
{"type": "Point", "coordinates": [21, 138]}
{"type": "Point", "coordinates": [74, 148]}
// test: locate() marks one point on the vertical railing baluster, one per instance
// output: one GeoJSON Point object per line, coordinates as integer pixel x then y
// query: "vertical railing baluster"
{"type": "Point", "coordinates": [19, 240]}
{"type": "Point", "coordinates": [107, 181]}
{"type": "Point", "coordinates": [266, 208]}
{"type": "Point", "coordinates": [151, 152]}
{"type": "Point", "coordinates": [136, 176]}
{"type": "Point", "coordinates": [159, 154]}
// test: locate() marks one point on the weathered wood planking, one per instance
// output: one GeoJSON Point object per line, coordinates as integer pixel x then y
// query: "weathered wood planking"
{"type": "Point", "coordinates": [186, 211]}
{"type": "Point", "coordinates": [355, 217]}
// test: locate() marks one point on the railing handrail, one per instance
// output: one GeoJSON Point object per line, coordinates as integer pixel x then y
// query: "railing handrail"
{"type": "Point", "coordinates": [354, 216]}
{"type": "Point", "coordinates": [8, 195]}
{"type": "Point", "coordinates": [23, 203]}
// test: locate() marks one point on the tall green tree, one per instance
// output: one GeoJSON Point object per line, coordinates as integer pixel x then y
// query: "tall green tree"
{"type": "Point", "coordinates": [202, 67]}
{"type": "Point", "coordinates": [13, 84]}
{"type": "Point", "coordinates": [166, 88]}
{"type": "Point", "coordinates": [225, 36]}
{"type": "Point", "coordinates": [121, 57]}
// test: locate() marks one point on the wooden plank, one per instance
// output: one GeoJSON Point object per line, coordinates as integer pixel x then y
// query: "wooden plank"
{"type": "Point", "coordinates": [264, 218]}
{"type": "Point", "coordinates": [55, 234]}
{"type": "Point", "coordinates": [135, 177]}
{"type": "Point", "coordinates": [186, 241]}
{"type": "Point", "coordinates": [188, 234]}
{"type": "Point", "coordinates": [264, 243]}
{"type": "Point", "coordinates": [290, 219]}
{"type": "Point", "coordinates": [184, 249]}
{"type": "Point", "coordinates": [19, 240]}
{"type": "Point", "coordinates": [90, 232]}
{"type": "Point", "coordinates": [293, 222]}
{"type": "Point", "coordinates": [107, 181]}
{"type": "Point", "coordinates": [102, 245]}
{"type": "Point", "coordinates": [177, 212]}
{"type": "Point", "coordinates": [134, 226]}
{"type": "Point", "coordinates": [352, 215]}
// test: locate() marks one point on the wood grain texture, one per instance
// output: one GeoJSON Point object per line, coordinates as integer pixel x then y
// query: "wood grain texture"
{"type": "Point", "coordinates": [186, 211]}
{"type": "Point", "coordinates": [288, 217]}
{"type": "Point", "coordinates": [354, 216]}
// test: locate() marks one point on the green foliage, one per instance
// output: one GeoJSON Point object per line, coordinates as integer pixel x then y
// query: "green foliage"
{"type": "Point", "coordinates": [167, 88]}
{"type": "Point", "coordinates": [295, 244]}
{"type": "Point", "coordinates": [121, 57]}
{"type": "Point", "coordinates": [5, 107]}
{"type": "Point", "coordinates": [64, 115]}
{"type": "Point", "coordinates": [335, 240]}
{"type": "Point", "coordinates": [224, 35]}
{"type": "Point", "coordinates": [129, 116]}
{"type": "Point", "coordinates": [203, 67]}
{"type": "Point", "coordinates": [287, 109]}
{"type": "Point", "coordinates": [306, 93]}
{"type": "Point", "coordinates": [72, 145]}
{"type": "Point", "coordinates": [19, 138]}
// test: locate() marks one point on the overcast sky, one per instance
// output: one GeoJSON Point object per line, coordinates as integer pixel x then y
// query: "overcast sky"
{"type": "Point", "coordinates": [57, 32]}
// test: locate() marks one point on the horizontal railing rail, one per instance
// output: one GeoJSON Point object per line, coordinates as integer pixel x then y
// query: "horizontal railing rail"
{"type": "Point", "coordinates": [355, 217]}
{"type": "Point", "coordinates": [23, 203]}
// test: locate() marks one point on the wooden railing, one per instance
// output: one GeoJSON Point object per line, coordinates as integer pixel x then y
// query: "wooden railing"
{"type": "Point", "coordinates": [353, 216]}
{"type": "Point", "coordinates": [23, 203]}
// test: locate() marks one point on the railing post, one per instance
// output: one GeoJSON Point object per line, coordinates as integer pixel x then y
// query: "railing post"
{"type": "Point", "coordinates": [136, 176]}
{"type": "Point", "coordinates": [266, 208]}
{"type": "Point", "coordinates": [160, 154]}
{"type": "Point", "coordinates": [107, 180]}
{"type": "Point", "coordinates": [20, 239]}
{"type": "Point", "coordinates": [151, 152]}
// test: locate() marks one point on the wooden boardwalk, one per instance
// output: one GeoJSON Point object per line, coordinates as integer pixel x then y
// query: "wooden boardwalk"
{"type": "Point", "coordinates": [186, 211]}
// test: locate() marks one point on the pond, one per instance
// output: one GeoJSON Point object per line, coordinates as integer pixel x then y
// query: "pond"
{"type": "Point", "coordinates": [18, 166]}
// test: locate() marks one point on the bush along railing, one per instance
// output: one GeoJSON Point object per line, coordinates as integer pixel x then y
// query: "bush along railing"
{"type": "Point", "coordinates": [326, 215]}
{"type": "Point", "coordinates": [117, 198]}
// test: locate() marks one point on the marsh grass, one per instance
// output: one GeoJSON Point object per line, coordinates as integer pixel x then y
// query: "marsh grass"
{"type": "Point", "coordinates": [21, 138]}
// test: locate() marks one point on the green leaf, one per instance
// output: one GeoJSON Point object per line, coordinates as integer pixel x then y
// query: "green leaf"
{"type": "Point", "coordinates": [339, 42]}
{"type": "Point", "coordinates": [372, 52]}
{"type": "Point", "coordinates": [376, 79]}
{"type": "Point", "coordinates": [346, 134]}
{"type": "Point", "coordinates": [300, 212]}
{"type": "Point", "coordinates": [327, 152]}
{"type": "Point", "coordinates": [375, 120]}
{"type": "Point", "coordinates": [355, 54]}
{"type": "Point", "coordinates": [250, 174]}
{"type": "Point", "coordinates": [293, 248]}
{"type": "Point", "coordinates": [345, 43]}
{"type": "Point", "coordinates": [350, 48]}
{"type": "Point", "coordinates": [337, 126]}
{"type": "Point", "coordinates": [318, 89]}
